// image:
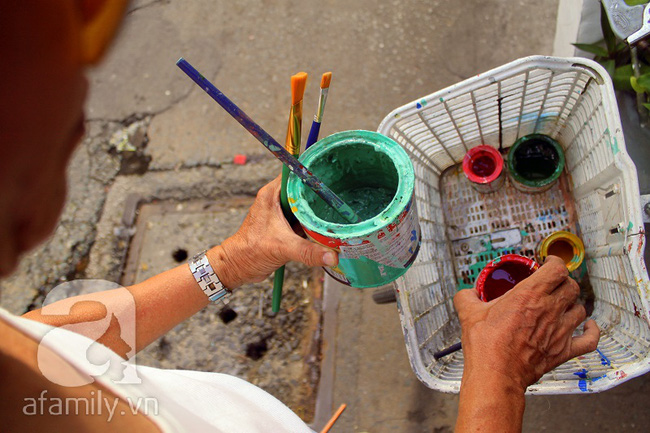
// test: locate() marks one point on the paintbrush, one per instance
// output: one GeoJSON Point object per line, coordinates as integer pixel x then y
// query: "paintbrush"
{"type": "Point", "coordinates": [292, 145]}
{"type": "Point", "coordinates": [318, 117]}
{"type": "Point", "coordinates": [448, 351]}
{"type": "Point", "coordinates": [295, 166]}
{"type": "Point", "coordinates": [332, 420]}
{"type": "Point", "coordinates": [294, 130]}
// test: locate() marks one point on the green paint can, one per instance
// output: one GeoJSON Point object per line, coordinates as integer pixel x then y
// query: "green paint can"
{"type": "Point", "coordinates": [374, 175]}
{"type": "Point", "coordinates": [535, 163]}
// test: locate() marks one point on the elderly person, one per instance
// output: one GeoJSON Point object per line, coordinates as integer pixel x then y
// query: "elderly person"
{"type": "Point", "coordinates": [508, 343]}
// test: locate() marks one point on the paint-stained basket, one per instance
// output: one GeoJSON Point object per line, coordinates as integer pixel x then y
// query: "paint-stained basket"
{"type": "Point", "coordinates": [571, 100]}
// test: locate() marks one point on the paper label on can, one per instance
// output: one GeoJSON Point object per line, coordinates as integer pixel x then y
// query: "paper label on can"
{"type": "Point", "coordinates": [394, 245]}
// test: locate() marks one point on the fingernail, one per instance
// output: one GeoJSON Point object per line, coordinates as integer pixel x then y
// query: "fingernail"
{"type": "Point", "coordinates": [330, 259]}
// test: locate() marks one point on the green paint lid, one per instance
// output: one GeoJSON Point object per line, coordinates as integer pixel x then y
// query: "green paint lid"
{"type": "Point", "coordinates": [345, 159]}
{"type": "Point", "coordinates": [536, 160]}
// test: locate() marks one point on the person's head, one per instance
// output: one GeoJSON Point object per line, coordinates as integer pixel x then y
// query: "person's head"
{"type": "Point", "coordinates": [44, 47]}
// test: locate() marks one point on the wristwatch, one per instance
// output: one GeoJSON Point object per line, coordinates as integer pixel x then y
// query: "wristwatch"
{"type": "Point", "coordinates": [207, 279]}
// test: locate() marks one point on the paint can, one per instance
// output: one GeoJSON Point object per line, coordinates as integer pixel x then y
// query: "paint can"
{"type": "Point", "coordinates": [483, 167]}
{"type": "Point", "coordinates": [374, 175]}
{"type": "Point", "coordinates": [502, 274]}
{"type": "Point", "coordinates": [535, 163]}
{"type": "Point", "coordinates": [566, 246]}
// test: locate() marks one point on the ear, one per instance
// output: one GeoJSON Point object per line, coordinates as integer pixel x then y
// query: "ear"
{"type": "Point", "coordinates": [100, 21]}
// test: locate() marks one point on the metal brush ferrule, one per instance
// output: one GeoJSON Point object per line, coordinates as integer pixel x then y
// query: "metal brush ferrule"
{"type": "Point", "coordinates": [321, 105]}
{"type": "Point", "coordinates": [295, 125]}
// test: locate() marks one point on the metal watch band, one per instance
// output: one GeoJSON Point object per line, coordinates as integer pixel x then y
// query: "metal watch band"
{"type": "Point", "coordinates": [207, 279]}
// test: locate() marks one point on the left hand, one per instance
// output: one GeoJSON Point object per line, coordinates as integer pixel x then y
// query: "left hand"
{"type": "Point", "coordinates": [263, 243]}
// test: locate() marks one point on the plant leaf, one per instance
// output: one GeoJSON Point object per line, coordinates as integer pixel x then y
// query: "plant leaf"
{"type": "Point", "coordinates": [622, 77]}
{"type": "Point", "coordinates": [635, 85]}
{"type": "Point", "coordinates": [644, 81]}
{"type": "Point", "coordinates": [647, 106]}
{"type": "Point", "coordinates": [592, 48]}
{"type": "Point", "coordinates": [623, 74]}
{"type": "Point", "coordinates": [610, 66]}
{"type": "Point", "coordinates": [610, 38]}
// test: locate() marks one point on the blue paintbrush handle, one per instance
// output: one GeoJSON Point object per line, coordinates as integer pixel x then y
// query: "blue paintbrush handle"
{"type": "Point", "coordinates": [313, 134]}
{"type": "Point", "coordinates": [448, 351]}
{"type": "Point", "coordinates": [270, 143]}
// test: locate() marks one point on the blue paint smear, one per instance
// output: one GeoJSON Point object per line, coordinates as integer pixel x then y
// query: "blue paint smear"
{"type": "Point", "coordinates": [582, 383]}
{"type": "Point", "coordinates": [603, 358]}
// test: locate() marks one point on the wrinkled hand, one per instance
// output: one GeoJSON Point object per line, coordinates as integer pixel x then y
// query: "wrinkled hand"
{"type": "Point", "coordinates": [263, 243]}
{"type": "Point", "coordinates": [528, 331]}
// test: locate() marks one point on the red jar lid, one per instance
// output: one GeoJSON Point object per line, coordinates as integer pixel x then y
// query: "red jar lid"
{"type": "Point", "coordinates": [502, 274]}
{"type": "Point", "coordinates": [482, 164]}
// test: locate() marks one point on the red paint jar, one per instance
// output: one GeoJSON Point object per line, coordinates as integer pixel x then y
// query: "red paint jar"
{"type": "Point", "coordinates": [502, 274]}
{"type": "Point", "coordinates": [483, 166]}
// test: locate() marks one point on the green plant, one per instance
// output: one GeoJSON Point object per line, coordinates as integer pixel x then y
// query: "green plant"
{"type": "Point", "coordinates": [642, 85]}
{"type": "Point", "coordinates": [615, 56]}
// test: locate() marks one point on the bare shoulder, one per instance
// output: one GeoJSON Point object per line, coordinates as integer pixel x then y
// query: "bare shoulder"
{"type": "Point", "coordinates": [33, 403]}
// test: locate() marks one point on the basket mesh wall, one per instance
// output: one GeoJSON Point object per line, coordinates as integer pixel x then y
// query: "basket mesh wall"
{"type": "Point", "coordinates": [571, 100]}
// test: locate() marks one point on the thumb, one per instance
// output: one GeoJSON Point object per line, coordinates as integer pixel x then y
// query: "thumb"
{"type": "Point", "coordinates": [465, 298]}
{"type": "Point", "coordinates": [588, 341]}
{"type": "Point", "coordinates": [309, 253]}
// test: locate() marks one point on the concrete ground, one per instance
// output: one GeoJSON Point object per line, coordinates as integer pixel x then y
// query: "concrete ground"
{"type": "Point", "coordinates": [152, 133]}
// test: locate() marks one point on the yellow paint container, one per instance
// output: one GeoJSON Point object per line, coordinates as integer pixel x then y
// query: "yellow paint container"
{"type": "Point", "coordinates": [566, 246]}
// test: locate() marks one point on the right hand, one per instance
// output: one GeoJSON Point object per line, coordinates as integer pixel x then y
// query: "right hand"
{"type": "Point", "coordinates": [529, 330]}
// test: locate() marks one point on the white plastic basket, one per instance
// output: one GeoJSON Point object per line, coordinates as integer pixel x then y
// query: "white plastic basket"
{"type": "Point", "coordinates": [571, 100]}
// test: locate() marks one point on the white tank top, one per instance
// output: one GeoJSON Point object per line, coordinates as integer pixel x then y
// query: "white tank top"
{"type": "Point", "coordinates": [175, 400]}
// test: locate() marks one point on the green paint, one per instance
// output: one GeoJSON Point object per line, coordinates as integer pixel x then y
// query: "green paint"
{"type": "Point", "coordinates": [365, 201]}
{"type": "Point", "coordinates": [614, 146]}
{"type": "Point", "coordinates": [481, 260]}
{"type": "Point", "coordinates": [535, 161]}
{"type": "Point", "coordinates": [423, 102]}
{"type": "Point", "coordinates": [479, 264]}
{"type": "Point", "coordinates": [582, 270]}
{"type": "Point", "coordinates": [630, 226]}
{"type": "Point", "coordinates": [375, 176]}
{"type": "Point", "coordinates": [367, 269]}
{"type": "Point", "coordinates": [612, 141]}
{"type": "Point", "coordinates": [357, 173]}
{"type": "Point", "coordinates": [524, 233]}
{"type": "Point", "coordinates": [354, 163]}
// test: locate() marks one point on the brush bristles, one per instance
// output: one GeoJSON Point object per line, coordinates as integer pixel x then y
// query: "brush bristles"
{"type": "Point", "coordinates": [298, 83]}
{"type": "Point", "coordinates": [325, 81]}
